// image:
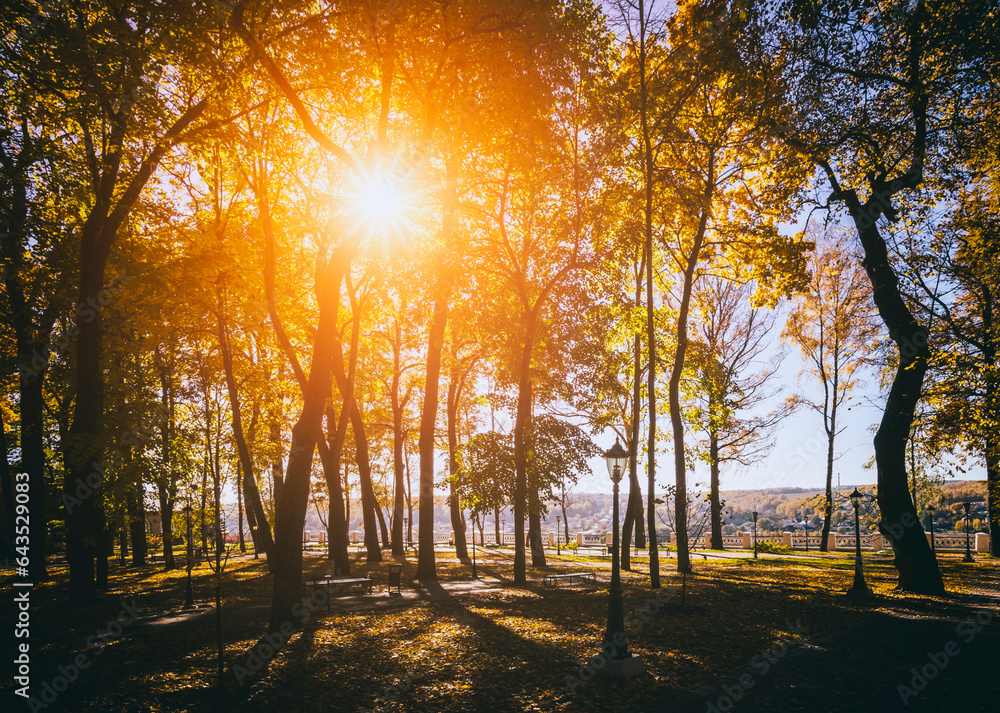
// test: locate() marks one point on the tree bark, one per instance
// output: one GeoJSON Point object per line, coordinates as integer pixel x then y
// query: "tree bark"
{"type": "Point", "coordinates": [7, 482]}
{"type": "Point", "coordinates": [454, 506]}
{"type": "Point", "coordinates": [369, 507]}
{"type": "Point", "coordinates": [426, 570]}
{"type": "Point", "coordinates": [521, 437]}
{"type": "Point", "coordinates": [715, 502]}
{"type": "Point", "coordinates": [828, 505]}
{"type": "Point", "coordinates": [398, 404]}
{"type": "Point", "coordinates": [916, 564]}
{"type": "Point", "coordinates": [633, 517]}
{"type": "Point", "coordinates": [32, 349]}
{"type": "Point", "coordinates": [336, 512]}
{"type": "Point", "coordinates": [647, 173]}
{"type": "Point", "coordinates": [137, 523]}
{"type": "Point", "coordinates": [166, 483]}
{"type": "Point", "coordinates": [260, 530]}
{"type": "Point", "coordinates": [291, 512]}
{"type": "Point", "coordinates": [993, 457]}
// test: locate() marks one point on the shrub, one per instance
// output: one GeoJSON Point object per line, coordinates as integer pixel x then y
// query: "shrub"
{"type": "Point", "coordinates": [773, 548]}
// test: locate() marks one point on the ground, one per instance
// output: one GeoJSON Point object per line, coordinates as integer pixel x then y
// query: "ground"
{"type": "Point", "coordinates": [775, 633]}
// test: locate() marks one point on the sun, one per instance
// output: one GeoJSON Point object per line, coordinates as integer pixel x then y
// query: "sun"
{"type": "Point", "coordinates": [379, 204]}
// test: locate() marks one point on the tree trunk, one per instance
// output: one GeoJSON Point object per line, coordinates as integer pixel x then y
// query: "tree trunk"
{"type": "Point", "coordinates": [916, 564]}
{"type": "Point", "coordinates": [426, 570]}
{"type": "Point", "coordinates": [680, 465]}
{"type": "Point", "coordinates": [166, 519]}
{"type": "Point", "coordinates": [31, 412]}
{"type": "Point", "coordinates": [137, 524]}
{"type": "Point", "coordinates": [715, 503]}
{"type": "Point", "coordinates": [336, 513]}
{"type": "Point", "coordinates": [260, 530]}
{"type": "Point", "coordinates": [398, 405]}
{"type": "Point", "coordinates": [562, 505]}
{"type": "Point", "coordinates": [455, 508]}
{"type": "Point", "coordinates": [32, 349]}
{"type": "Point", "coordinates": [399, 486]}
{"type": "Point", "coordinates": [83, 451]}
{"type": "Point", "coordinates": [633, 518]}
{"type": "Point", "coordinates": [992, 454]}
{"type": "Point", "coordinates": [521, 436]}
{"type": "Point", "coordinates": [239, 509]}
{"type": "Point", "coordinates": [647, 173]}
{"type": "Point", "coordinates": [166, 484]}
{"type": "Point", "coordinates": [291, 513]}
{"type": "Point", "coordinates": [828, 506]}
{"type": "Point", "coordinates": [369, 507]}
{"type": "Point", "coordinates": [535, 525]}
{"type": "Point", "coordinates": [7, 482]}
{"type": "Point", "coordinates": [204, 495]}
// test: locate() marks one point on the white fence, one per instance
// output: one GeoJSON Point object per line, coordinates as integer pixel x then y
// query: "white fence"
{"type": "Point", "coordinates": [873, 542]}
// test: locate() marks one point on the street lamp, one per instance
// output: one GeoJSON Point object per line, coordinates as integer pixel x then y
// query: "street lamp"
{"type": "Point", "coordinates": [406, 537]}
{"type": "Point", "coordinates": [858, 590]}
{"type": "Point", "coordinates": [805, 517]}
{"type": "Point", "coordinates": [558, 521]}
{"type": "Point", "coordinates": [930, 509]}
{"type": "Point", "coordinates": [968, 552]}
{"type": "Point", "coordinates": [503, 530]}
{"type": "Point", "coordinates": [189, 598]}
{"type": "Point", "coordinates": [620, 662]}
{"type": "Point", "coordinates": [754, 534]}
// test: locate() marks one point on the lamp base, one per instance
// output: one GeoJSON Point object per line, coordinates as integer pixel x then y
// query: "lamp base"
{"type": "Point", "coordinates": [630, 666]}
{"type": "Point", "coordinates": [860, 593]}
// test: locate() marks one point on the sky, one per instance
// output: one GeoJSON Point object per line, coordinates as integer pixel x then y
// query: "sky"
{"type": "Point", "coordinates": [798, 458]}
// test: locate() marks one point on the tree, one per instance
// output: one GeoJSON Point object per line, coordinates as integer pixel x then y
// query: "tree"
{"type": "Point", "coordinates": [713, 142]}
{"type": "Point", "coordinates": [878, 97]}
{"type": "Point", "coordinates": [958, 283]}
{"type": "Point", "coordinates": [731, 380]}
{"type": "Point", "coordinates": [100, 72]}
{"type": "Point", "coordinates": [485, 477]}
{"type": "Point", "coordinates": [834, 326]}
{"type": "Point", "coordinates": [38, 229]}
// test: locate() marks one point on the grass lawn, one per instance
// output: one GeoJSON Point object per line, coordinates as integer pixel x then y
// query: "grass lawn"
{"type": "Point", "coordinates": [501, 648]}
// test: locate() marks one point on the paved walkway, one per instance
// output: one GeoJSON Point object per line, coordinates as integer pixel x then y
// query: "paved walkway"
{"type": "Point", "coordinates": [205, 615]}
{"type": "Point", "coordinates": [944, 659]}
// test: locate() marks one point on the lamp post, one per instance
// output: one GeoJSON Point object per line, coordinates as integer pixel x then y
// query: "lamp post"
{"type": "Point", "coordinates": [503, 530]}
{"type": "Point", "coordinates": [805, 517]}
{"type": "Point", "coordinates": [558, 521]}
{"type": "Point", "coordinates": [754, 534]}
{"type": "Point", "coordinates": [968, 551]}
{"type": "Point", "coordinates": [858, 590]}
{"type": "Point", "coordinates": [406, 537]}
{"type": "Point", "coordinates": [189, 597]}
{"type": "Point", "coordinates": [930, 509]}
{"type": "Point", "coordinates": [620, 663]}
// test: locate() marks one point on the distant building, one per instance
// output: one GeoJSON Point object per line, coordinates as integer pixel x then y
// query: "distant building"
{"type": "Point", "coordinates": [154, 525]}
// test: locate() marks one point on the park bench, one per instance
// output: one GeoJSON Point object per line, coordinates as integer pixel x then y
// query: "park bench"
{"type": "Point", "coordinates": [329, 580]}
{"type": "Point", "coordinates": [552, 580]}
